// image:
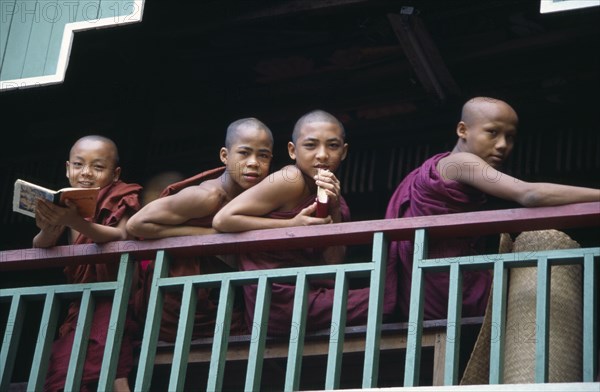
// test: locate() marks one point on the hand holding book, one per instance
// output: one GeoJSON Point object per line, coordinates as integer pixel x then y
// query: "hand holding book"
{"type": "Point", "coordinates": [26, 195]}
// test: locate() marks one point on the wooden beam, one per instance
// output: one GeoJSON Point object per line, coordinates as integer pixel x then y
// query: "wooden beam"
{"type": "Point", "coordinates": [349, 233]}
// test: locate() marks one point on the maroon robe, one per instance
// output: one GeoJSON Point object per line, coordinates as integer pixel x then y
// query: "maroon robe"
{"type": "Point", "coordinates": [424, 192]}
{"type": "Point", "coordinates": [321, 293]}
{"type": "Point", "coordinates": [114, 201]}
{"type": "Point", "coordinates": [207, 299]}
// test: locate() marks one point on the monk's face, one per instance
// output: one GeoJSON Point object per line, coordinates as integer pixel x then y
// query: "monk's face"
{"type": "Point", "coordinates": [319, 145]}
{"type": "Point", "coordinates": [249, 157]}
{"type": "Point", "coordinates": [489, 132]}
{"type": "Point", "coordinates": [92, 163]}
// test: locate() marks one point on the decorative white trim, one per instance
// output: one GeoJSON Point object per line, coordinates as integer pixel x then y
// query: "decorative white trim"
{"type": "Point", "coordinates": [565, 5]}
{"type": "Point", "coordinates": [66, 44]}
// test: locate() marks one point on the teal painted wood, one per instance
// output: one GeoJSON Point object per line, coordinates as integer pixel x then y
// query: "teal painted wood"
{"type": "Point", "coordinates": [415, 316]}
{"type": "Point", "coordinates": [184, 337]}
{"type": "Point", "coordinates": [542, 319]}
{"type": "Point", "coordinates": [498, 334]}
{"type": "Point", "coordinates": [64, 14]}
{"type": "Point", "coordinates": [514, 260]}
{"type": "Point", "coordinates": [80, 341]}
{"type": "Point", "coordinates": [38, 43]}
{"type": "Point", "coordinates": [87, 10]}
{"type": "Point", "coordinates": [218, 356]}
{"type": "Point", "coordinates": [373, 335]}
{"type": "Point", "coordinates": [18, 40]}
{"type": "Point", "coordinates": [296, 346]}
{"type": "Point", "coordinates": [6, 16]}
{"type": "Point", "coordinates": [67, 290]}
{"type": "Point", "coordinates": [10, 343]}
{"type": "Point", "coordinates": [590, 318]}
{"type": "Point", "coordinates": [43, 347]}
{"type": "Point", "coordinates": [259, 324]}
{"type": "Point", "coordinates": [116, 325]}
{"type": "Point", "coordinates": [152, 325]}
{"type": "Point", "coordinates": [453, 328]}
{"type": "Point", "coordinates": [32, 32]}
{"type": "Point", "coordinates": [276, 274]}
{"type": "Point", "coordinates": [336, 337]}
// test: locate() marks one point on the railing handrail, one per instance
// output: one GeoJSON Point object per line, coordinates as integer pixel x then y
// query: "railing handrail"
{"type": "Point", "coordinates": [349, 233]}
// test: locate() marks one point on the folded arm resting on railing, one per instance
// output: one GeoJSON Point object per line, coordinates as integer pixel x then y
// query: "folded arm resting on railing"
{"type": "Point", "coordinates": [350, 233]}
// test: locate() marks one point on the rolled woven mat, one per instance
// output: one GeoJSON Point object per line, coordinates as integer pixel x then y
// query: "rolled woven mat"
{"type": "Point", "coordinates": [477, 371]}
{"type": "Point", "coordinates": [565, 341]}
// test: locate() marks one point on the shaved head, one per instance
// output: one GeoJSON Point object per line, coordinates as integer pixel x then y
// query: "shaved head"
{"type": "Point", "coordinates": [482, 108]}
{"type": "Point", "coordinates": [316, 116]}
{"type": "Point", "coordinates": [102, 139]}
{"type": "Point", "coordinates": [235, 127]}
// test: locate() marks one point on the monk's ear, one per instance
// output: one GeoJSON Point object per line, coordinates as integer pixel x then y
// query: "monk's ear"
{"type": "Point", "coordinates": [345, 151]}
{"type": "Point", "coordinates": [117, 174]}
{"type": "Point", "coordinates": [292, 150]}
{"type": "Point", "coordinates": [67, 164]}
{"type": "Point", "coordinates": [461, 130]}
{"type": "Point", "coordinates": [223, 155]}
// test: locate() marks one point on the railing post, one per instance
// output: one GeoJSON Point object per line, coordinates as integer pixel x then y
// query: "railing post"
{"type": "Point", "coordinates": [257, 345]}
{"type": "Point", "coordinates": [152, 325]}
{"type": "Point", "coordinates": [376, 298]}
{"type": "Point", "coordinates": [590, 319]}
{"type": "Point", "coordinates": [220, 341]}
{"type": "Point", "coordinates": [542, 317]}
{"type": "Point", "coordinates": [498, 323]}
{"type": "Point", "coordinates": [415, 319]}
{"type": "Point", "coordinates": [184, 337]}
{"type": "Point", "coordinates": [116, 324]}
{"type": "Point", "coordinates": [296, 347]}
{"type": "Point", "coordinates": [80, 341]}
{"type": "Point", "coordinates": [336, 337]}
{"type": "Point", "coordinates": [10, 343]}
{"type": "Point", "coordinates": [453, 322]}
{"type": "Point", "coordinates": [43, 347]}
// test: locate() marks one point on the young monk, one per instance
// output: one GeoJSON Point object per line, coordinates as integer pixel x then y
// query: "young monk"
{"type": "Point", "coordinates": [93, 162]}
{"type": "Point", "coordinates": [458, 181]}
{"type": "Point", "coordinates": [286, 199]}
{"type": "Point", "coordinates": [188, 207]}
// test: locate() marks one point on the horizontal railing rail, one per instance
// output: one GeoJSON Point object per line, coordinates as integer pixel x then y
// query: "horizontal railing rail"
{"type": "Point", "coordinates": [349, 233]}
{"type": "Point", "coordinates": [378, 232]}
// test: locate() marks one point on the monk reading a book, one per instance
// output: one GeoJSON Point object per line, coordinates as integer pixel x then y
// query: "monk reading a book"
{"type": "Point", "coordinates": [93, 162]}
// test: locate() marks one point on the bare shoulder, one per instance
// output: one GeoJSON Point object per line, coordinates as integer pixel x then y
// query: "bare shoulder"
{"type": "Point", "coordinates": [208, 193]}
{"type": "Point", "coordinates": [281, 190]}
{"type": "Point", "coordinates": [290, 177]}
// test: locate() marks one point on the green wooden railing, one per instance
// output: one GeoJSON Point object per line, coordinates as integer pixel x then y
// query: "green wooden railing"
{"type": "Point", "coordinates": [51, 296]}
{"type": "Point", "coordinates": [264, 278]}
{"type": "Point", "coordinates": [588, 257]}
{"type": "Point", "coordinates": [376, 232]}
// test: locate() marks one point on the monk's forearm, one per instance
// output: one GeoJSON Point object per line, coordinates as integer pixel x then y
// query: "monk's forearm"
{"type": "Point", "coordinates": [239, 223]}
{"type": "Point", "coordinates": [100, 233]}
{"type": "Point", "coordinates": [152, 230]}
{"type": "Point", "coordinates": [549, 194]}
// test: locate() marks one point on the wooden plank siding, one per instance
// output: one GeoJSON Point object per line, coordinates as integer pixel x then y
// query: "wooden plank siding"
{"type": "Point", "coordinates": [36, 36]}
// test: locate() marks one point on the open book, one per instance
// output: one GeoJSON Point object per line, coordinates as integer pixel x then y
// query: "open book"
{"type": "Point", "coordinates": [26, 194]}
